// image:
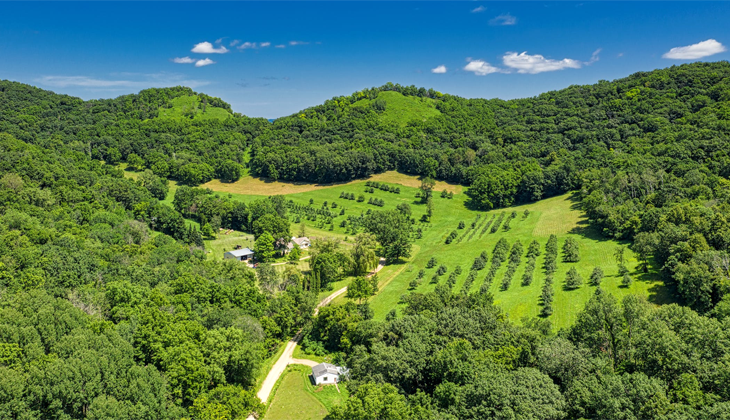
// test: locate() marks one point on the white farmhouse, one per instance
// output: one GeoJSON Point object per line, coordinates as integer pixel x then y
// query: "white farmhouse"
{"type": "Point", "coordinates": [326, 373]}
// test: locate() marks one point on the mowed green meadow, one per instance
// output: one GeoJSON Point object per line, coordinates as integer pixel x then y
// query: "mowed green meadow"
{"type": "Point", "coordinates": [556, 215]}
{"type": "Point", "coordinates": [295, 396]}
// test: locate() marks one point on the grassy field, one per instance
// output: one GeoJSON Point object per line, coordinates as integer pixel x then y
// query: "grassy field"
{"type": "Point", "coordinates": [401, 109]}
{"type": "Point", "coordinates": [557, 215]}
{"type": "Point", "coordinates": [295, 397]}
{"type": "Point", "coordinates": [190, 106]}
{"type": "Point", "coordinates": [250, 186]}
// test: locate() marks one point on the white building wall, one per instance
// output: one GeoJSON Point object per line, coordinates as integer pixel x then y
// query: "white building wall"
{"type": "Point", "coordinates": [326, 379]}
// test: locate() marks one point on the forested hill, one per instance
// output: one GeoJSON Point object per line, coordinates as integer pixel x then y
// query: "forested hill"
{"type": "Point", "coordinates": [530, 148]}
{"type": "Point", "coordinates": [648, 154]}
{"type": "Point", "coordinates": [175, 132]}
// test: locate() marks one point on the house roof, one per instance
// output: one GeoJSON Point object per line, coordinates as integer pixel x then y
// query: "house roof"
{"type": "Point", "coordinates": [324, 369]}
{"type": "Point", "coordinates": [240, 252]}
{"type": "Point", "coordinates": [300, 241]}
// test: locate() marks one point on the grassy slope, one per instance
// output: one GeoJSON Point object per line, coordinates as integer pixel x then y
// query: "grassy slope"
{"type": "Point", "coordinates": [401, 109]}
{"type": "Point", "coordinates": [183, 104]}
{"type": "Point", "coordinates": [296, 398]}
{"type": "Point", "coordinates": [558, 215]}
{"type": "Point", "coordinates": [250, 186]}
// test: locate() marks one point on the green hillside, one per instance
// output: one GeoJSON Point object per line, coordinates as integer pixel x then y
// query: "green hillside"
{"type": "Point", "coordinates": [193, 108]}
{"type": "Point", "coordinates": [400, 109]}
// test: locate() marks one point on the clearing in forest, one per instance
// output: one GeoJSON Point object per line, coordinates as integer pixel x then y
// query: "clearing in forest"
{"type": "Point", "coordinates": [559, 215]}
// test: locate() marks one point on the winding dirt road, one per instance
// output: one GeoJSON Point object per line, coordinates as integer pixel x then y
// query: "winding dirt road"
{"type": "Point", "coordinates": [286, 358]}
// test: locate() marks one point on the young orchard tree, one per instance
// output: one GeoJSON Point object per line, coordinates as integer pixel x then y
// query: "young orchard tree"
{"type": "Point", "coordinates": [597, 276]}
{"type": "Point", "coordinates": [573, 279]}
{"type": "Point", "coordinates": [626, 280]}
{"type": "Point", "coordinates": [571, 252]}
{"type": "Point", "coordinates": [619, 255]}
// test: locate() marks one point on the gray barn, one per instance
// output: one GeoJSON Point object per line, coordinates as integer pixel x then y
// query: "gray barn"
{"type": "Point", "coordinates": [244, 254]}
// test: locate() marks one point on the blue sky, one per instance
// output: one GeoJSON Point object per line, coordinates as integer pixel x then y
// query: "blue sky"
{"type": "Point", "coordinates": [325, 49]}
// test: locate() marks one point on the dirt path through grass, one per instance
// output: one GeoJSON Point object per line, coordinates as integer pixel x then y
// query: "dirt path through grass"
{"type": "Point", "coordinates": [286, 358]}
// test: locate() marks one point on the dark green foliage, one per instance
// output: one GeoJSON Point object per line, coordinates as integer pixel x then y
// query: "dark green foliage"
{"type": "Point", "coordinates": [547, 297]}
{"type": "Point", "coordinates": [529, 272]}
{"type": "Point", "coordinates": [431, 262]}
{"type": "Point", "coordinates": [596, 276]}
{"type": "Point", "coordinates": [511, 217]}
{"type": "Point", "coordinates": [571, 252]}
{"type": "Point", "coordinates": [533, 250]}
{"type": "Point", "coordinates": [479, 263]}
{"type": "Point", "coordinates": [497, 223]}
{"type": "Point", "coordinates": [392, 229]}
{"type": "Point", "coordinates": [104, 318]}
{"type": "Point", "coordinates": [128, 128]}
{"type": "Point", "coordinates": [626, 280]}
{"type": "Point", "coordinates": [573, 279]}
{"type": "Point", "coordinates": [451, 237]}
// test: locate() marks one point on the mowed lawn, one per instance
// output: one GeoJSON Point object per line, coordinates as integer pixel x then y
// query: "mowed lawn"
{"type": "Point", "coordinates": [296, 397]}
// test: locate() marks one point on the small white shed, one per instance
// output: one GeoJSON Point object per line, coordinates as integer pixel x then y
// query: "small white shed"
{"type": "Point", "coordinates": [326, 373]}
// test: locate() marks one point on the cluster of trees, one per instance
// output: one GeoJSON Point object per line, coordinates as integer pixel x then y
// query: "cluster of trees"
{"type": "Point", "coordinates": [100, 317]}
{"type": "Point", "coordinates": [457, 356]}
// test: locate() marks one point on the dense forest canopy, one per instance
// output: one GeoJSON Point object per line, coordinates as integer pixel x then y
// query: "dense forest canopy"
{"type": "Point", "coordinates": [109, 307]}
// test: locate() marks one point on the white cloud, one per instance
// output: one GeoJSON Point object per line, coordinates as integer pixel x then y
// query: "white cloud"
{"type": "Point", "coordinates": [619, 55]}
{"type": "Point", "coordinates": [208, 48]}
{"type": "Point", "coordinates": [204, 62]}
{"type": "Point", "coordinates": [280, 46]}
{"type": "Point", "coordinates": [694, 51]}
{"type": "Point", "coordinates": [133, 81]}
{"type": "Point", "coordinates": [533, 64]}
{"type": "Point", "coordinates": [479, 9]}
{"type": "Point", "coordinates": [481, 68]}
{"type": "Point", "coordinates": [265, 44]}
{"type": "Point", "coordinates": [298, 43]}
{"type": "Point", "coordinates": [503, 20]}
{"type": "Point", "coordinates": [219, 40]}
{"type": "Point", "coordinates": [247, 45]}
{"type": "Point", "coordinates": [183, 60]}
{"type": "Point", "coordinates": [234, 42]}
{"type": "Point", "coordinates": [439, 69]}
{"type": "Point", "coordinates": [594, 56]}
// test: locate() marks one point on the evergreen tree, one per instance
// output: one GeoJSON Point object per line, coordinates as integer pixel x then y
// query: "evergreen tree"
{"type": "Point", "coordinates": [573, 279]}
{"type": "Point", "coordinates": [597, 276]}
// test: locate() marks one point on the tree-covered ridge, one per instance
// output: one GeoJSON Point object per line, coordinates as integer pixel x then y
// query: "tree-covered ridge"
{"type": "Point", "coordinates": [539, 146]}
{"type": "Point", "coordinates": [185, 144]}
